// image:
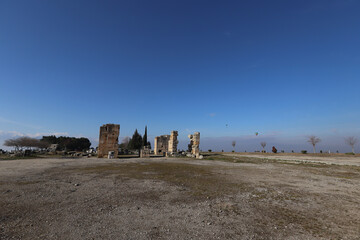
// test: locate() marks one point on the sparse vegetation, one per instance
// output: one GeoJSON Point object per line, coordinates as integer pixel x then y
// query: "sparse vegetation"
{"type": "Point", "coordinates": [350, 153]}
{"type": "Point", "coordinates": [199, 179]}
{"type": "Point", "coordinates": [314, 140]}
{"type": "Point", "coordinates": [263, 144]}
{"type": "Point", "coordinates": [274, 150]}
{"type": "Point", "coordinates": [351, 141]}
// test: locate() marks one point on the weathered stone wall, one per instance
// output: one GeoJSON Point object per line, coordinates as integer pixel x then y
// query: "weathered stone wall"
{"type": "Point", "coordinates": [161, 144]}
{"type": "Point", "coordinates": [145, 152]}
{"type": "Point", "coordinates": [173, 142]}
{"type": "Point", "coordinates": [108, 140]}
{"type": "Point", "coordinates": [195, 143]}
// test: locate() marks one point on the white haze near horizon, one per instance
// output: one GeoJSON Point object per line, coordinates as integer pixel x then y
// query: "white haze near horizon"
{"type": "Point", "coordinates": [253, 144]}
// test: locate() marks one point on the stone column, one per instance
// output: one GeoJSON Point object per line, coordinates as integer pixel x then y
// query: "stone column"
{"type": "Point", "coordinates": [195, 143]}
{"type": "Point", "coordinates": [156, 145]}
{"type": "Point", "coordinates": [173, 142]}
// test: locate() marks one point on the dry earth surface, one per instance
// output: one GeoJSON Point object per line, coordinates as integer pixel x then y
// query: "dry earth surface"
{"type": "Point", "coordinates": [338, 159]}
{"type": "Point", "coordinates": [230, 196]}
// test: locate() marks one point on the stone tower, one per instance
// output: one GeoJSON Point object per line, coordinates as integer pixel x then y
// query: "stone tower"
{"type": "Point", "coordinates": [108, 140]}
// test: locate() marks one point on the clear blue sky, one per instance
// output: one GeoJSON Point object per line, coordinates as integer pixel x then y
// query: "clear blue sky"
{"type": "Point", "coordinates": [285, 69]}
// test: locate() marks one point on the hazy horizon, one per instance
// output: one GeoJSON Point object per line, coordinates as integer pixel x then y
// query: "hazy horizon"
{"type": "Point", "coordinates": [249, 143]}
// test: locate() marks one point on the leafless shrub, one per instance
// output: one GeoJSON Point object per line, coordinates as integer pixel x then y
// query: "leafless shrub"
{"type": "Point", "coordinates": [263, 144]}
{"type": "Point", "coordinates": [233, 144]}
{"type": "Point", "coordinates": [351, 141]}
{"type": "Point", "coordinates": [125, 142]}
{"type": "Point", "coordinates": [314, 140]}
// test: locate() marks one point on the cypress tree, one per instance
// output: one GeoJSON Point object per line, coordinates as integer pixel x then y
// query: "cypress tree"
{"type": "Point", "coordinates": [144, 140]}
{"type": "Point", "coordinates": [135, 142]}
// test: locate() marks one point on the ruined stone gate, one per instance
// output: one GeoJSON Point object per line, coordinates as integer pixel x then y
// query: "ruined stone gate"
{"type": "Point", "coordinates": [166, 144]}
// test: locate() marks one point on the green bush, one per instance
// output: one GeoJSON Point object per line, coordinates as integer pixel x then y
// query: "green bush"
{"type": "Point", "coordinates": [209, 150]}
{"type": "Point", "coordinates": [350, 153]}
{"type": "Point", "coordinates": [303, 151]}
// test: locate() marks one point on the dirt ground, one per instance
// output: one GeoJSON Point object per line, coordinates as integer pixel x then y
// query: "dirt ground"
{"type": "Point", "coordinates": [230, 196]}
{"type": "Point", "coordinates": [338, 159]}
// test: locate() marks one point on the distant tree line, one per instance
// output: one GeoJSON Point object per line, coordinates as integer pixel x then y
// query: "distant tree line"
{"type": "Point", "coordinates": [64, 143]}
{"type": "Point", "coordinates": [68, 143]}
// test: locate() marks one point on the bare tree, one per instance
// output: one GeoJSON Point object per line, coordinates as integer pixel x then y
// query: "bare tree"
{"type": "Point", "coordinates": [351, 141]}
{"type": "Point", "coordinates": [25, 142]}
{"type": "Point", "coordinates": [28, 142]}
{"type": "Point", "coordinates": [233, 144]}
{"type": "Point", "coordinates": [263, 144]}
{"type": "Point", "coordinates": [314, 140]}
{"type": "Point", "coordinates": [125, 142]}
{"type": "Point", "coordinates": [12, 143]}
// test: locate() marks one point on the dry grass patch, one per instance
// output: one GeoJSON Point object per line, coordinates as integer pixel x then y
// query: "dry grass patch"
{"type": "Point", "coordinates": [199, 181]}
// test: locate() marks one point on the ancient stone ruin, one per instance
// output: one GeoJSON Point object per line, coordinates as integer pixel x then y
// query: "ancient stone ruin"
{"type": "Point", "coordinates": [165, 144]}
{"type": "Point", "coordinates": [173, 142]}
{"type": "Point", "coordinates": [109, 140]}
{"type": "Point", "coordinates": [161, 144]}
{"type": "Point", "coordinates": [145, 152]}
{"type": "Point", "coordinates": [194, 143]}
